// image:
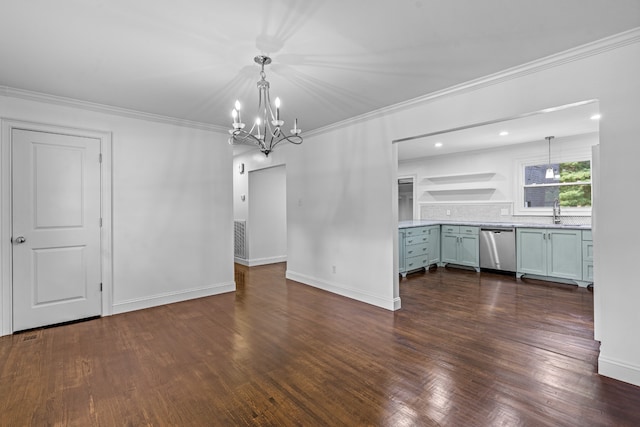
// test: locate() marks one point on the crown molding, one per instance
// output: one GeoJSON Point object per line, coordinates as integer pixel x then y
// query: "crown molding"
{"type": "Point", "coordinates": [574, 54]}
{"type": "Point", "coordinates": [107, 109]}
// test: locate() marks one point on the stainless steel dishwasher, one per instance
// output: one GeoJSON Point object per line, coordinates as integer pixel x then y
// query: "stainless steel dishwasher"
{"type": "Point", "coordinates": [498, 248]}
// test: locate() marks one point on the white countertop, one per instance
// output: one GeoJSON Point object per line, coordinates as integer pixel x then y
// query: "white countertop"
{"type": "Point", "coordinates": [422, 222]}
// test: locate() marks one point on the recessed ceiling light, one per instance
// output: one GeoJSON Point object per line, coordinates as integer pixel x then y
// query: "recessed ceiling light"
{"type": "Point", "coordinates": [504, 133]}
{"type": "Point", "coordinates": [596, 117]}
{"type": "Point", "coordinates": [438, 144]}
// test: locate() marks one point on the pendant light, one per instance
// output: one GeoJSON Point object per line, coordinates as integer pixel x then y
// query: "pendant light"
{"type": "Point", "coordinates": [550, 174]}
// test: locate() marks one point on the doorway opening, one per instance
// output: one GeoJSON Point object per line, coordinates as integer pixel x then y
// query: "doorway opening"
{"type": "Point", "coordinates": [260, 214]}
{"type": "Point", "coordinates": [406, 199]}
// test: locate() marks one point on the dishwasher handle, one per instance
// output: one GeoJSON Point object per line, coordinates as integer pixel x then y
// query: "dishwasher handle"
{"type": "Point", "coordinates": [498, 230]}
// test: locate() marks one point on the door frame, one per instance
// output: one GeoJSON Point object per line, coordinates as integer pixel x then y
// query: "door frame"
{"type": "Point", "coordinates": [106, 242]}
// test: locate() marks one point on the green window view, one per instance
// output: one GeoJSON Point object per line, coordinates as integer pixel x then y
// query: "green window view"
{"type": "Point", "coordinates": [570, 184]}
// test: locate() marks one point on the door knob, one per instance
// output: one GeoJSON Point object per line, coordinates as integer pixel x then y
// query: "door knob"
{"type": "Point", "coordinates": [20, 239]}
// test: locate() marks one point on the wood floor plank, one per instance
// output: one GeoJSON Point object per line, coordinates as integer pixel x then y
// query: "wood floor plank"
{"type": "Point", "coordinates": [466, 349]}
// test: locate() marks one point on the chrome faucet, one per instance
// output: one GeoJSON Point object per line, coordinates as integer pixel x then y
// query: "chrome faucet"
{"type": "Point", "coordinates": [556, 211]}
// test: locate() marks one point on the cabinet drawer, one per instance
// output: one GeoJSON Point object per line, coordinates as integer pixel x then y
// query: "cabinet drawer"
{"type": "Point", "coordinates": [469, 230]}
{"type": "Point", "coordinates": [451, 229]}
{"type": "Point", "coordinates": [416, 240]}
{"type": "Point", "coordinates": [416, 250]}
{"type": "Point", "coordinates": [587, 251]}
{"type": "Point", "coordinates": [417, 231]}
{"type": "Point", "coordinates": [417, 262]}
{"type": "Point", "coordinates": [587, 271]}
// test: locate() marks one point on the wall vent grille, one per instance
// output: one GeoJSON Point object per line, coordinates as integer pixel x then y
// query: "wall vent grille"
{"type": "Point", "coordinates": [240, 238]}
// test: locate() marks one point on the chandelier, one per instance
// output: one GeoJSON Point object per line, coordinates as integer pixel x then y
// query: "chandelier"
{"type": "Point", "coordinates": [266, 131]}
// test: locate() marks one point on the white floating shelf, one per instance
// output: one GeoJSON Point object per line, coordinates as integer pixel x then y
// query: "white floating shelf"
{"type": "Point", "coordinates": [460, 189]}
{"type": "Point", "coordinates": [474, 176]}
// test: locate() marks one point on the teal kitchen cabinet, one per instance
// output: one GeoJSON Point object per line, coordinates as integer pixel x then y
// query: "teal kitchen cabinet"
{"type": "Point", "coordinates": [460, 246]}
{"type": "Point", "coordinates": [587, 256]}
{"type": "Point", "coordinates": [549, 252]}
{"type": "Point", "coordinates": [419, 247]}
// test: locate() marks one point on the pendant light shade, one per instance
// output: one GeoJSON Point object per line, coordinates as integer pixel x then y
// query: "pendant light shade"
{"type": "Point", "coordinates": [550, 174]}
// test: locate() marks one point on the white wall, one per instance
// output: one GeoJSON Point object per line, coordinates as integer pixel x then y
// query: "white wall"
{"type": "Point", "coordinates": [345, 180]}
{"type": "Point", "coordinates": [501, 174]}
{"type": "Point", "coordinates": [267, 223]}
{"type": "Point", "coordinates": [341, 186]}
{"type": "Point", "coordinates": [171, 204]}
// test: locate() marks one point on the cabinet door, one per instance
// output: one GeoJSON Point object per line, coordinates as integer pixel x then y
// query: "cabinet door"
{"type": "Point", "coordinates": [468, 251]}
{"type": "Point", "coordinates": [587, 259]}
{"type": "Point", "coordinates": [449, 248]}
{"type": "Point", "coordinates": [531, 256]}
{"type": "Point", "coordinates": [434, 244]}
{"type": "Point", "coordinates": [401, 251]}
{"type": "Point", "coordinates": [564, 257]}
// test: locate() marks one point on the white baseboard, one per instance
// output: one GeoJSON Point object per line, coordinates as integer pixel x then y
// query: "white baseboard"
{"type": "Point", "coordinates": [261, 261]}
{"type": "Point", "coordinates": [345, 291]}
{"type": "Point", "coordinates": [619, 370]}
{"type": "Point", "coordinates": [171, 297]}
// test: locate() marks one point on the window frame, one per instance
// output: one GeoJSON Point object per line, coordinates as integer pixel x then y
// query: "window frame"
{"type": "Point", "coordinates": [574, 155]}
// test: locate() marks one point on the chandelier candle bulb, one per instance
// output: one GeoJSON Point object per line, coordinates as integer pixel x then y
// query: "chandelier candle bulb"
{"type": "Point", "coordinates": [277, 108]}
{"type": "Point", "coordinates": [237, 105]}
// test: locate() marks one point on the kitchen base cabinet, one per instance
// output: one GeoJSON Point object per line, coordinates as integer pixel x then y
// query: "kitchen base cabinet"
{"type": "Point", "coordinates": [587, 257]}
{"type": "Point", "coordinates": [419, 247]}
{"type": "Point", "coordinates": [549, 254]}
{"type": "Point", "coordinates": [460, 246]}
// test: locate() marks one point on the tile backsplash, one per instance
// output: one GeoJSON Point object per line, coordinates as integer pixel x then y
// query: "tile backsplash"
{"type": "Point", "coordinates": [490, 212]}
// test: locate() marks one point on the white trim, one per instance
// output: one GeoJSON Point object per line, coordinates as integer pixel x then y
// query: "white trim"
{"type": "Point", "coordinates": [107, 109]}
{"type": "Point", "coordinates": [106, 249]}
{"type": "Point", "coordinates": [346, 291]}
{"type": "Point", "coordinates": [260, 261]}
{"type": "Point", "coordinates": [106, 237]}
{"type": "Point", "coordinates": [575, 54]}
{"type": "Point", "coordinates": [172, 297]}
{"type": "Point", "coordinates": [619, 370]}
{"type": "Point", "coordinates": [6, 297]}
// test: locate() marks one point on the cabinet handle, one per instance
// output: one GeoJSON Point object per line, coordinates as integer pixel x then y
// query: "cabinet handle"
{"type": "Point", "coordinates": [544, 236]}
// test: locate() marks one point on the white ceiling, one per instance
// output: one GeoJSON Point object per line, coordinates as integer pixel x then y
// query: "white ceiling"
{"type": "Point", "coordinates": [556, 121]}
{"type": "Point", "coordinates": [332, 59]}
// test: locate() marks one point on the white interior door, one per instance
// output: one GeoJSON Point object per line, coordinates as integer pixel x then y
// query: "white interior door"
{"type": "Point", "coordinates": [56, 228]}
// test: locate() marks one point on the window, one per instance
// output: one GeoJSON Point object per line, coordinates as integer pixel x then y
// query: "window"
{"type": "Point", "coordinates": [570, 185]}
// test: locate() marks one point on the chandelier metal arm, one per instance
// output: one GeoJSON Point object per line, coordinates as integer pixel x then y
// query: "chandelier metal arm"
{"type": "Point", "coordinates": [243, 137]}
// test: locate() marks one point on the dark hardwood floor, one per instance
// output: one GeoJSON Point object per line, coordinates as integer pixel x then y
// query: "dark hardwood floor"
{"type": "Point", "coordinates": [466, 349]}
